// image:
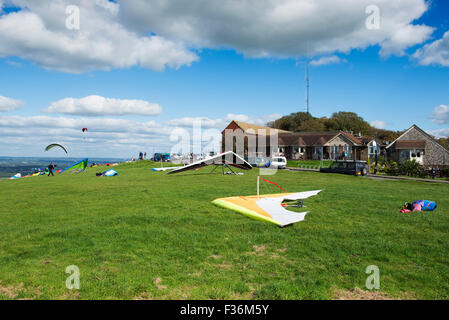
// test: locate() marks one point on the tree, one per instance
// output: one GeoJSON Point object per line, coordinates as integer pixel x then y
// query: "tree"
{"type": "Point", "coordinates": [339, 121]}
{"type": "Point", "coordinates": [291, 122]}
{"type": "Point", "coordinates": [348, 121]}
{"type": "Point", "coordinates": [444, 142]}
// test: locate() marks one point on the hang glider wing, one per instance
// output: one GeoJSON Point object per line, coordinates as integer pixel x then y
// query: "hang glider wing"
{"type": "Point", "coordinates": [51, 146]}
{"type": "Point", "coordinates": [165, 169]}
{"type": "Point", "coordinates": [227, 158]}
{"type": "Point", "coordinates": [79, 166]}
{"type": "Point", "coordinates": [268, 207]}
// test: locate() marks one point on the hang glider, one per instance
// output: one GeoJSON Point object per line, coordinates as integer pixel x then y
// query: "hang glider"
{"type": "Point", "coordinates": [165, 169]}
{"type": "Point", "coordinates": [51, 146]}
{"type": "Point", "coordinates": [79, 166]}
{"type": "Point", "coordinates": [227, 159]}
{"type": "Point", "coordinates": [268, 208]}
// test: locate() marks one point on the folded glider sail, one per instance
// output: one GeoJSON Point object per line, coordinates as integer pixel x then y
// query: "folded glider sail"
{"type": "Point", "coordinates": [110, 173]}
{"type": "Point", "coordinates": [267, 207]}
{"type": "Point", "coordinates": [225, 159]}
{"type": "Point", "coordinates": [79, 166]}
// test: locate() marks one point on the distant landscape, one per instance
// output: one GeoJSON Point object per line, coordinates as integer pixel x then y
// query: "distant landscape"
{"type": "Point", "coordinates": [10, 166]}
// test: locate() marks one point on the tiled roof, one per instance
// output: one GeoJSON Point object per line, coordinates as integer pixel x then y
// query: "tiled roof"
{"type": "Point", "coordinates": [247, 126]}
{"type": "Point", "coordinates": [302, 139]}
{"type": "Point", "coordinates": [352, 138]}
{"type": "Point", "coordinates": [410, 144]}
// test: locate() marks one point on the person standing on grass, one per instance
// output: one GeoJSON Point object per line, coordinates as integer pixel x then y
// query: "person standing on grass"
{"type": "Point", "coordinates": [50, 169]}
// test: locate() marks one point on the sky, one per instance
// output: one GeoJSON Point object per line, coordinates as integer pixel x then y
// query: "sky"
{"type": "Point", "coordinates": [147, 75]}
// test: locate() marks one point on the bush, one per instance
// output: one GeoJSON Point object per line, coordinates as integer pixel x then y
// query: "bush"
{"type": "Point", "coordinates": [411, 168]}
{"type": "Point", "coordinates": [445, 172]}
{"type": "Point", "coordinates": [390, 168]}
{"type": "Point", "coordinates": [381, 160]}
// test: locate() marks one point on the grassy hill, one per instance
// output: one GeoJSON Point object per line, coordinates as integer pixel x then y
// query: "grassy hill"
{"type": "Point", "coordinates": [148, 235]}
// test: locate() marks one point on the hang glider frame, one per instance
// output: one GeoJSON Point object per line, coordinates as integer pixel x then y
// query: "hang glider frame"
{"type": "Point", "coordinates": [218, 160]}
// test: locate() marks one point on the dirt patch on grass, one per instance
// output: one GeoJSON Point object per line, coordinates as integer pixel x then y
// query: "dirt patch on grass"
{"type": "Point", "coordinates": [71, 295]}
{"type": "Point", "coordinates": [224, 266]}
{"type": "Point", "coordinates": [196, 274]}
{"type": "Point", "coordinates": [10, 291]}
{"type": "Point", "coordinates": [215, 256]}
{"type": "Point", "coordinates": [157, 282]}
{"type": "Point", "coordinates": [13, 292]}
{"type": "Point", "coordinates": [183, 293]}
{"type": "Point", "coordinates": [144, 296]}
{"type": "Point", "coordinates": [259, 248]}
{"type": "Point", "coordinates": [359, 294]}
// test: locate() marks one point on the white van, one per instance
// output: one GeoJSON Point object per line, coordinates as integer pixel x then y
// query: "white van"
{"type": "Point", "coordinates": [279, 162]}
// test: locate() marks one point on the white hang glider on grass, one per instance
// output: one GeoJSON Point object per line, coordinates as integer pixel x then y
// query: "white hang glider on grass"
{"type": "Point", "coordinates": [268, 207]}
{"type": "Point", "coordinates": [225, 160]}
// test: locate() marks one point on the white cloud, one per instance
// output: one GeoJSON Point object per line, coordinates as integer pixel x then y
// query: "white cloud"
{"type": "Point", "coordinates": [327, 60]}
{"type": "Point", "coordinates": [93, 124]}
{"type": "Point", "coordinates": [100, 106]}
{"type": "Point", "coordinates": [9, 104]}
{"type": "Point", "coordinates": [378, 124]}
{"type": "Point", "coordinates": [436, 52]}
{"type": "Point", "coordinates": [106, 137]}
{"type": "Point", "coordinates": [440, 114]}
{"type": "Point", "coordinates": [282, 28]}
{"type": "Point", "coordinates": [39, 34]}
{"type": "Point", "coordinates": [155, 34]}
{"type": "Point", "coordinates": [110, 137]}
{"type": "Point", "coordinates": [440, 133]}
{"type": "Point", "coordinates": [221, 123]}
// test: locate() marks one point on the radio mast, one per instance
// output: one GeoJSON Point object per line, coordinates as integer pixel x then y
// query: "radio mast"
{"type": "Point", "coordinates": [307, 88]}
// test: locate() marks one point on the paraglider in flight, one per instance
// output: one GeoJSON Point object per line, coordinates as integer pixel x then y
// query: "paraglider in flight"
{"type": "Point", "coordinates": [50, 146]}
{"type": "Point", "coordinates": [84, 130]}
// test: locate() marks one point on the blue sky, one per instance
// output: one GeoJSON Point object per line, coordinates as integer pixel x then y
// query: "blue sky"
{"type": "Point", "coordinates": [213, 76]}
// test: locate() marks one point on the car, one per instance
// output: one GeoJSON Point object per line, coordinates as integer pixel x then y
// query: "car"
{"type": "Point", "coordinates": [165, 157]}
{"type": "Point", "coordinates": [352, 167]}
{"type": "Point", "coordinates": [258, 162]}
{"type": "Point", "coordinates": [279, 162]}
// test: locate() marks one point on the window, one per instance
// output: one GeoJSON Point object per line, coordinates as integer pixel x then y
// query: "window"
{"type": "Point", "coordinates": [318, 150]}
{"type": "Point", "coordinates": [351, 165]}
{"type": "Point", "coordinates": [334, 152]}
{"type": "Point", "coordinates": [404, 155]}
{"type": "Point", "coordinates": [348, 151]}
{"type": "Point", "coordinates": [373, 150]}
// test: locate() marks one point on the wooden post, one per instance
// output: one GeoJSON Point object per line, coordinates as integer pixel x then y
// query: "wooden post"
{"type": "Point", "coordinates": [258, 179]}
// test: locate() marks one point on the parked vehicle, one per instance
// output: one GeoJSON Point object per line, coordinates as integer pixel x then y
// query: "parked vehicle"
{"type": "Point", "coordinates": [165, 157]}
{"type": "Point", "coordinates": [258, 162]}
{"type": "Point", "coordinates": [279, 162]}
{"type": "Point", "coordinates": [357, 168]}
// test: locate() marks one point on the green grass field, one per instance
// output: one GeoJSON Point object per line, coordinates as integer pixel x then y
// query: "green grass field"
{"type": "Point", "coordinates": [148, 235]}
